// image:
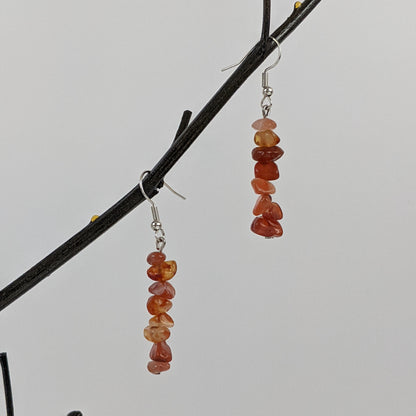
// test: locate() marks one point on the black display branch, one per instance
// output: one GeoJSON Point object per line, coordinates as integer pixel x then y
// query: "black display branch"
{"type": "Point", "coordinates": [187, 133]}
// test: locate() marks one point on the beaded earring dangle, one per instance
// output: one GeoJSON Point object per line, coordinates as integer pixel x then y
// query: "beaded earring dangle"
{"type": "Point", "coordinates": [162, 292]}
{"type": "Point", "coordinates": [267, 212]}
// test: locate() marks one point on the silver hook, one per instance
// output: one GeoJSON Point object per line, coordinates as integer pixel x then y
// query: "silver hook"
{"type": "Point", "coordinates": [164, 182]}
{"type": "Point", "coordinates": [245, 56]}
{"type": "Point", "coordinates": [156, 224]}
{"type": "Point", "coordinates": [266, 102]}
{"type": "Point", "coordinates": [232, 66]}
{"type": "Point", "coordinates": [278, 57]}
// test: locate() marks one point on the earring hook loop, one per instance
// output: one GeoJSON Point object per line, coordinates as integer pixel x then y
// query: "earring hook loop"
{"type": "Point", "coordinates": [156, 223]}
{"type": "Point", "coordinates": [279, 50]}
{"type": "Point", "coordinates": [165, 184]}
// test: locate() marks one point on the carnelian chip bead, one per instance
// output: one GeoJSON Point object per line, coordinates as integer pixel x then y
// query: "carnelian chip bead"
{"type": "Point", "coordinates": [262, 203]}
{"type": "Point", "coordinates": [164, 271]}
{"type": "Point", "coordinates": [261, 186]}
{"type": "Point", "coordinates": [156, 258]}
{"type": "Point", "coordinates": [157, 305]}
{"type": "Point", "coordinates": [162, 289]}
{"type": "Point", "coordinates": [156, 333]}
{"type": "Point", "coordinates": [273, 213]}
{"type": "Point", "coordinates": [267, 171]}
{"type": "Point", "coordinates": [264, 124]}
{"type": "Point", "coordinates": [161, 352]}
{"type": "Point", "coordinates": [266, 138]}
{"type": "Point", "coordinates": [267, 154]}
{"type": "Point", "coordinates": [157, 367]}
{"type": "Point", "coordinates": [264, 228]}
{"type": "Point", "coordinates": [163, 319]}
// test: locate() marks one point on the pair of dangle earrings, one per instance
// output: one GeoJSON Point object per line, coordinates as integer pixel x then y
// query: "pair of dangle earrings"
{"type": "Point", "coordinates": [268, 213]}
{"type": "Point", "coordinates": [266, 223]}
{"type": "Point", "coordinates": [161, 271]}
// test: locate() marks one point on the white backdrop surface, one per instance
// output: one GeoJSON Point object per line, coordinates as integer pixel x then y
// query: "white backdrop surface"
{"type": "Point", "coordinates": [320, 322]}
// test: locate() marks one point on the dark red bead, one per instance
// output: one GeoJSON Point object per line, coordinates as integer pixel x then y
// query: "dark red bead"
{"type": "Point", "coordinates": [267, 154]}
{"type": "Point", "coordinates": [267, 171]}
{"type": "Point", "coordinates": [161, 352]}
{"type": "Point", "coordinates": [156, 258]}
{"type": "Point", "coordinates": [265, 228]}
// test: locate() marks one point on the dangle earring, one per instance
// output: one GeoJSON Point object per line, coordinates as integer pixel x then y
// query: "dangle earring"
{"type": "Point", "coordinates": [162, 292]}
{"type": "Point", "coordinates": [267, 213]}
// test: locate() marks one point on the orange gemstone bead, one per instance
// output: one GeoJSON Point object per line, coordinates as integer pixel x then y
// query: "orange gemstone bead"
{"type": "Point", "coordinates": [262, 203]}
{"type": "Point", "coordinates": [261, 186]}
{"type": "Point", "coordinates": [163, 289]}
{"type": "Point", "coordinates": [157, 367]}
{"type": "Point", "coordinates": [264, 228]}
{"type": "Point", "coordinates": [273, 213]}
{"type": "Point", "coordinates": [157, 305]}
{"type": "Point", "coordinates": [267, 171]}
{"type": "Point", "coordinates": [156, 258]}
{"type": "Point", "coordinates": [163, 319]}
{"type": "Point", "coordinates": [264, 124]}
{"type": "Point", "coordinates": [266, 138]}
{"type": "Point", "coordinates": [163, 271]}
{"type": "Point", "coordinates": [156, 333]}
{"type": "Point", "coordinates": [161, 352]}
{"type": "Point", "coordinates": [267, 154]}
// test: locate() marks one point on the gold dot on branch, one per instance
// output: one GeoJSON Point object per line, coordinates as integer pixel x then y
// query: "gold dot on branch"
{"type": "Point", "coordinates": [94, 217]}
{"type": "Point", "coordinates": [298, 4]}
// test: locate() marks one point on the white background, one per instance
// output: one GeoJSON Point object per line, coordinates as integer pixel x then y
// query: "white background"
{"type": "Point", "coordinates": [320, 322]}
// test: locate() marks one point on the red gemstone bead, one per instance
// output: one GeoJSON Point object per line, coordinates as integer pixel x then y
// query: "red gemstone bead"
{"type": "Point", "coordinates": [262, 203]}
{"type": "Point", "coordinates": [163, 319]}
{"type": "Point", "coordinates": [273, 213]}
{"type": "Point", "coordinates": [264, 124]}
{"type": "Point", "coordinates": [157, 367]}
{"type": "Point", "coordinates": [156, 258]}
{"type": "Point", "coordinates": [162, 289]}
{"type": "Point", "coordinates": [262, 186]}
{"type": "Point", "coordinates": [267, 171]}
{"type": "Point", "coordinates": [157, 305]}
{"type": "Point", "coordinates": [156, 333]}
{"type": "Point", "coordinates": [162, 272]}
{"type": "Point", "coordinates": [267, 154]}
{"type": "Point", "coordinates": [264, 228]}
{"type": "Point", "coordinates": [161, 352]}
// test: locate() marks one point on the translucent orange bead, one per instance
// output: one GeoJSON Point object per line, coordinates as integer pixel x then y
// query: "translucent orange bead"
{"type": "Point", "coordinates": [163, 289]}
{"type": "Point", "coordinates": [267, 171]}
{"type": "Point", "coordinates": [163, 271]}
{"type": "Point", "coordinates": [163, 319]}
{"type": "Point", "coordinates": [156, 258]}
{"type": "Point", "coordinates": [264, 124]}
{"type": "Point", "coordinates": [157, 367]}
{"type": "Point", "coordinates": [273, 213]}
{"type": "Point", "coordinates": [263, 202]}
{"type": "Point", "coordinates": [156, 333]}
{"type": "Point", "coordinates": [161, 352]}
{"type": "Point", "coordinates": [157, 305]}
{"type": "Point", "coordinates": [264, 228]}
{"type": "Point", "coordinates": [261, 186]}
{"type": "Point", "coordinates": [266, 138]}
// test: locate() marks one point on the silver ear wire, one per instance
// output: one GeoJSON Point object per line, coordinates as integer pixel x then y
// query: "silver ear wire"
{"type": "Point", "coordinates": [266, 102]}
{"type": "Point", "coordinates": [156, 223]}
{"type": "Point", "coordinates": [238, 63]}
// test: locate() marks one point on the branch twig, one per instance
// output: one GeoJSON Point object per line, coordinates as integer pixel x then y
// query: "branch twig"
{"type": "Point", "coordinates": [154, 179]}
{"type": "Point", "coordinates": [7, 384]}
{"type": "Point", "coordinates": [265, 30]}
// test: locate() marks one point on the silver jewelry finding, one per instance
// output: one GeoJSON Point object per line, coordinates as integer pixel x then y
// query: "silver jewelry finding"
{"type": "Point", "coordinates": [156, 224]}
{"type": "Point", "coordinates": [266, 102]}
